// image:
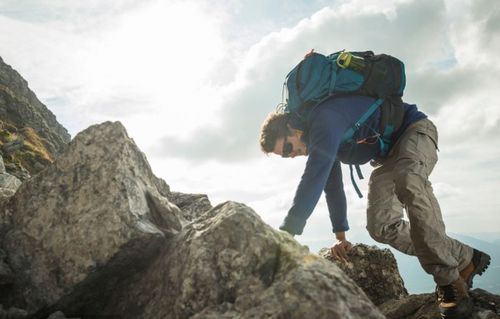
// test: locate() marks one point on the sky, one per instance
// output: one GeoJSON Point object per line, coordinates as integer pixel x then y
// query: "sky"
{"type": "Point", "coordinates": [193, 80]}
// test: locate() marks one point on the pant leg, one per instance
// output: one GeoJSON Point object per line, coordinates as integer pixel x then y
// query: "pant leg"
{"type": "Point", "coordinates": [415, 157]}
{"type": "Point", "coordinates": [385, 221]}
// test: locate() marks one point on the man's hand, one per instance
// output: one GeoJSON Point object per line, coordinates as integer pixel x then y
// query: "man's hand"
{"type": "Point", "coordinates": [340, 249]}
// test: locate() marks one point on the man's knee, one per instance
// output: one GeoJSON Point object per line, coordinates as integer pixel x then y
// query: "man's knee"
{"type": "Point", "coordinates": [386, 233]}
{"type": "Point", "coordinates": [377, 233]}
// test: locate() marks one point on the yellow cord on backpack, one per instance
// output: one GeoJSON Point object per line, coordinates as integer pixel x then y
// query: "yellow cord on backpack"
{"type": "Point", "coordinates": [344, 59]}
{"type": "Point", "coordinates": [348, 60]}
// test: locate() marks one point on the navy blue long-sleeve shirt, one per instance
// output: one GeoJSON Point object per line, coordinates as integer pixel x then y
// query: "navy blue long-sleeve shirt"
{"type": "Point", "coordinates": [323, 134]}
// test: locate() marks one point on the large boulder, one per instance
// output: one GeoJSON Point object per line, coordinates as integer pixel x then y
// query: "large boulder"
{"type": "Point", "coordinates": [97, 211]}
{"type": "Point", "coordinates": [229, 264]}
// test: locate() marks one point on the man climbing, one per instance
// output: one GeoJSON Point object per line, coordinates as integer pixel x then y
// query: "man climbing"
{"type": "Point", "coordinates": [399, 181]}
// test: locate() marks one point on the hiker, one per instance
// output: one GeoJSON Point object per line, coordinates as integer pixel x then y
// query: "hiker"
{"type": "Point", "coordinates": [400, 180]}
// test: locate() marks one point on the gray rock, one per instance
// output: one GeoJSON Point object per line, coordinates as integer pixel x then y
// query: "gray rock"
{"type": "Point", "coordinates": [2, 166]}
{"type": "Point", "coordinates": [192, 205]}
{"type": "Point", "coordinates": [8, 181]}
{"type": "Point", "coordinates": [229, 264]}
{"type": "Point", "coordinates": [38, 166]}
{"type": "Point", "coordinates": [485, 314]}
{"type": "Point", "coordinates": [413, 306]}
{"type": "Point", "coordinates": [162, 186]}
{"type": "Point", "coordinates": [12, 146]}
{"type": "Point", "coordinates": [12, 313]}
{"type": "Point", "coordinates": [424, 306]}
{"type": "Point", "coordinates": [57, 315]}
{"type": "Point", "coordinates": [20, 172]}
{"type": "Point", "coordinates": [6, 275]}
{"type": "Point", "coordinates": [375, 270]}
{"type": "Point", "coordinates": [487, 304]}
{"type": "Point", "coordinates": [8, 185]}
{"type": "Point", "coordinates": [93, 217]}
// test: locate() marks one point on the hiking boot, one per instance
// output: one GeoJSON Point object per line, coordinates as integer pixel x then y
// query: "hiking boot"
{"type": "Point", "coordinates": [455, 302]}
{"type": "Point", "coordinates": [480, 261]}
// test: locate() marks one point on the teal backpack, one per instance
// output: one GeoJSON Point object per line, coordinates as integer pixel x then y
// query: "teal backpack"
{"type": "Point", "coordinates": [318, 77]}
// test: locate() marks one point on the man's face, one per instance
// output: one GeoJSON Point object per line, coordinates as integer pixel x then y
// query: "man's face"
{"type": "Point", "coordinates": [290, 146]}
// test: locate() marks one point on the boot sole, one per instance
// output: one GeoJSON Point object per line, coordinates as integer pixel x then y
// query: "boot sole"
{"type": "Point", "coordinates": [484, 262]}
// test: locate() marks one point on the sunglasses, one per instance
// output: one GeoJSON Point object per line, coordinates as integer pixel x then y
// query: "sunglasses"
{"type": "Point", "coordinates": [287, 148]}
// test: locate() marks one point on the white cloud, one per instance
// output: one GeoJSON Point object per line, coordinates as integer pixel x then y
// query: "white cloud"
{"type": "Point", "coordinates": [444, 190]}
{"type": "Point", "coordinates": [257, 86]}
{"type": "Point", "coordinates": [147, 67]}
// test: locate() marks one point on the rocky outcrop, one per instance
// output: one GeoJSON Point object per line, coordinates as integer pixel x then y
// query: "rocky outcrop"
{"type": "Point", "coordinates": [6, 275]}
{"type": "Point", "coordinates": [12, 313]}
{"type": "Point", "coordinates": [423, 306]}
{"type": "Point", "coordinates": [30, 136]}
{"type": "Point", "coordinates": [229, 264]}
{"type": "Point", "coordinates": [96, 208]}
{"type": "Point", "coordinates": [192, 205]}
{"type": "Point", "coordinates": [97, 234]}
{"type": "Point", "coordinates": [21, 106]}
{"type": "Point", "coordinates": [8, 183]}
{"type": "Point", "coordinates": [373, 269]}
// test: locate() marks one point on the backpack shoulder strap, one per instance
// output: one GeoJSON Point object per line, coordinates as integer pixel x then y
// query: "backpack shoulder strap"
{"type": "Point", "coordinates": [391, 118]}
{"type": "Point", "coordinates": [347, 137]}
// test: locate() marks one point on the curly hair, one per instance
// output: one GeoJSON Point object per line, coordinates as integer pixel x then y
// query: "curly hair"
{"type": "Point", "coordinates": [274, 127]}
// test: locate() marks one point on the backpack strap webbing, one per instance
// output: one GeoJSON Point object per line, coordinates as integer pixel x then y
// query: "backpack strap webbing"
{"type": "Point", "coordinates": [360, 176]}
{"type": "Point", "coordinates": [348, 137]}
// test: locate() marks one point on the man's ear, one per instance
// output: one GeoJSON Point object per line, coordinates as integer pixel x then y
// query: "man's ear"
{"type": "Point", "coordinates": [295, 132]}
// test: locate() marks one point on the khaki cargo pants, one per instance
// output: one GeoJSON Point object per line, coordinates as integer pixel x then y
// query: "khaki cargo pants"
{"type": "Point", "coordinates": [402, 182]}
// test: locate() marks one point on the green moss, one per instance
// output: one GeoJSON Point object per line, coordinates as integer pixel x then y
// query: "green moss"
{"type": "Point", "coordinates": [33, 152]}
{"type": "Point", "coordinates": [7, 132]}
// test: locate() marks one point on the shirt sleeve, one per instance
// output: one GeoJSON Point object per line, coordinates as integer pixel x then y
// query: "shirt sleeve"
{"type": "Point", "coordinates": [336, 200]}
{"type": "Point", "coordinates": [325, 134]}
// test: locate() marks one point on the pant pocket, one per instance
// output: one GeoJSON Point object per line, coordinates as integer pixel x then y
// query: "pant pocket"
{"type": "Point", "coordinates": [430, 131]}
{"type": "Point", "coordinates": [427, 148]}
